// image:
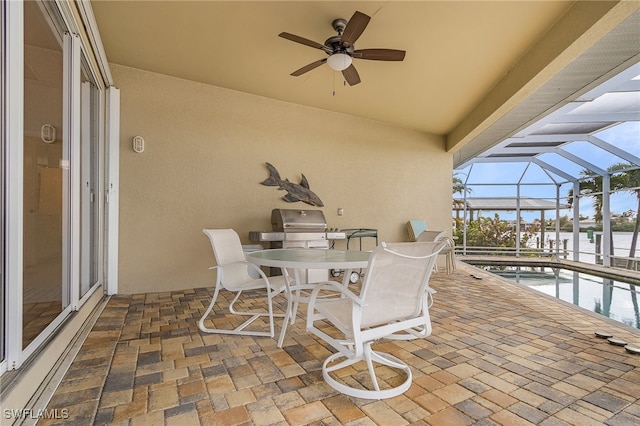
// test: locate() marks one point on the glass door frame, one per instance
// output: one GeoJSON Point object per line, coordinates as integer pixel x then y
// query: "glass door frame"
{"type": "Point", "coordinates": [3, 111]}
{"type": "Point", "coordinates": [12, 134]}
{"type": "Point", "coordinates": [93, 99]}
{"type": "Point", "coordinates": [13, 103]}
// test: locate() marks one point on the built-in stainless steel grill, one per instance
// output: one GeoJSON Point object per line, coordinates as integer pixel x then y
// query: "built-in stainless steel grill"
{"type": "Point", "coordinates": [298, 229]}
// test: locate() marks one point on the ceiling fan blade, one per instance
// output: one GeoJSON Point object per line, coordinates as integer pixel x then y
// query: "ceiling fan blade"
{"type": "Point", "coordinates": [309, 67]}
{"type": "Point", "coordinates": [355, 27]}
{"type": "Point", "coordinates": [302, 40]}
{"type": "Point", "coordinates": [380, 54]}
{"type": "Point", "coordinates": [351, 75]}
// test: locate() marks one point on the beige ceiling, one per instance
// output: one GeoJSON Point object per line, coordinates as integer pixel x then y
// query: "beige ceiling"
{"type": "Point", "coordinates": [457, 52]}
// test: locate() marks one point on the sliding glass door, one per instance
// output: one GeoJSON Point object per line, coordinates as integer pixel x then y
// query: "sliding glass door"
{"type": "Point", "coordinates": [52, 174]}
{"type": "Point", "coordinates": [3, 97]}
{"type": "Point", "coordinates": [45, 176]}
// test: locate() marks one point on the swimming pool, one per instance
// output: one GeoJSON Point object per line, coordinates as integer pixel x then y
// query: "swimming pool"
{"type": "Point", "coordinates": [614, 299]}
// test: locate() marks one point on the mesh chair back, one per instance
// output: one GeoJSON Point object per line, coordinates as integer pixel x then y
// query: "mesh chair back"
{"type": "Point", "coordinates": [396, 281]}
{"type": "Point", "coordinates": [229, 256]}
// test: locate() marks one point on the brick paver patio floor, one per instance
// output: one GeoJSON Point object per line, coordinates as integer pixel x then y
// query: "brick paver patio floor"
{"type": "Point", "coordinates": [500, 354]}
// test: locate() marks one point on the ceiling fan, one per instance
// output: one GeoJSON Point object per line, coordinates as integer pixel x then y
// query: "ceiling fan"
{"type": "Point", "coordinates": [341, 48]}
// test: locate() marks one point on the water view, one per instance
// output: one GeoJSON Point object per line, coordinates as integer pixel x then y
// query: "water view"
{"type": "Point", "coordinates": [587, 247]}
{"type": "Point", "coordinates": [613, 299]}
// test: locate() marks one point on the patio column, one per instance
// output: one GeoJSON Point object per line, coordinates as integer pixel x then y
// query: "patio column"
{"type": "Point", "coordinates": [576, 221]}
{"type": "Point", "coordinates": [606, 220]}
{"type": "Point", "coordinates": [464, 222]}
{"type": "Point", "coordinates": [518, 220]}
{"type": "Point", "coordinates": [557, 222]}
{"type": "Point", "coordinates": [542, 229]}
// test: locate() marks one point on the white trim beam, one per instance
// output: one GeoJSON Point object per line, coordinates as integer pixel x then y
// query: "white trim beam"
{"type": "Point", "coordinates": [533, 150]}
{"type": "Point", "coordinates": [552, 137]}
{"type": "Point", "coordinates": [581, 162]}
{"type": "Point", "coordinates": [625, 155]}
{"type": "Point", "coordinates": [605, 117]}
{"type": "Point", "coordinates": [555, 170]}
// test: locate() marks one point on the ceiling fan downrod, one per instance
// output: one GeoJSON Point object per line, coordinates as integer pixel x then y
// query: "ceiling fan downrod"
{"type": "Point", "coordinates": [339, 25]}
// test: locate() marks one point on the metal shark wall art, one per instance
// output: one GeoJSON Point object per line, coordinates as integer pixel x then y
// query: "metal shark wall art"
{"type": "Point", "coordinates": [295, 192]}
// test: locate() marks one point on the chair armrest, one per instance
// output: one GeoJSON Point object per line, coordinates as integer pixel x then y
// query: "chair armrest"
{"type": "Point", "coordinates": [263, 276]}
{"type": "Point", "coordinates": [338, 288]}
{"type": "Point", "coordinates": [253, 266]}
{"type": "Point", "coordinates": [287, 279]}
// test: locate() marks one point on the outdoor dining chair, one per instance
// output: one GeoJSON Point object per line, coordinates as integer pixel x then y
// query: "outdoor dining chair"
{"type": "Point", "coordinates": [415, 227]}
{"type": "Point", "coordinates": [417, 230]}
{"type": "Point", "coordinates": [393, 303]}
{"type": "Point", "coordinates": [448, 251]}
{"type": "Point", "coordinates": [233, 276]}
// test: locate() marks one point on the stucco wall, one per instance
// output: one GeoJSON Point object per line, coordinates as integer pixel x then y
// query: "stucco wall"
{"type": "Point", "coordinates": [204, 161]}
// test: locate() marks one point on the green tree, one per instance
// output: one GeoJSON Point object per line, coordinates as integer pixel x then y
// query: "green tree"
{"type": "Point", "coordinates": [623, 178]}
{"type": "Point", "coordinates": [590, 185]}
{"type": "Point", "coordinates": [458, 188]}
{"type": "Point", "coordinates": [494, 232]}
{"type": "Point", "coordinates": [628, 181]}
{"type": "Point", "coordinates": [458, 185]}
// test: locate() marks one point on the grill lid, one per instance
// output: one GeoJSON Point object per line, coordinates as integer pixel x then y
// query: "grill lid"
{"type": "Point", "coordinates": [291, 220]}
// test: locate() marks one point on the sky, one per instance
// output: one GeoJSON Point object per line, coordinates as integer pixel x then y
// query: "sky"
{"type": "Point", "coordinates": [484, 178]}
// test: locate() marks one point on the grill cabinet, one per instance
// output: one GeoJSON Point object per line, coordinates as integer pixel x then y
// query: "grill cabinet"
{"type": "Point", "coordinates": [292, 228]}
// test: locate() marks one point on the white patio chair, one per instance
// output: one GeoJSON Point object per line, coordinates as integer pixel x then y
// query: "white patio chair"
{"type": "Point", "coordinates": [448, 251]}
{"type": "Point", "coordinates": [416, 227]}
{"type": "Point", "coordinates": [233, 276]}
{"type": "Point", "coordinates": [393, 303]}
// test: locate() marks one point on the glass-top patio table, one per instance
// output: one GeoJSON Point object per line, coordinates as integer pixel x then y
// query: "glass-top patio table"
{"type": "Point", "coordinates": [298, 259]}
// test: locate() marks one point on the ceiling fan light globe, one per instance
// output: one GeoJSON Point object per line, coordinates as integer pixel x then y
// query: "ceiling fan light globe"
{"type": "Point", "coordinates": [339, 61]}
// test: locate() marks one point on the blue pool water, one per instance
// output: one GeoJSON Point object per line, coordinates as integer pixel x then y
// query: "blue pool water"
{"type": "Point", "coordinates": [614, 299]}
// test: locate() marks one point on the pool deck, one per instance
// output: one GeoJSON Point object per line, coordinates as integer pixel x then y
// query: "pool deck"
{"type": "Point", "coordinates": [500, 354]}
{"type": "Point", "coordinates": [618, 274]}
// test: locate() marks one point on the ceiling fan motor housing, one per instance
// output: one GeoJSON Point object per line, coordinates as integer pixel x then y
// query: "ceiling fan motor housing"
{"type": "Point", "coordinates": [336, 46]}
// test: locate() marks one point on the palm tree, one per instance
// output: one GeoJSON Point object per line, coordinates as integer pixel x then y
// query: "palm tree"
{"type": "Point", "coordinates": [590, 185]}
{"type": "Point", "coordinates": [459, 187]}
{"type": "Point", "coordinates": [623, 178]}
{"type": "Point", "coordinates": [628, 181]}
